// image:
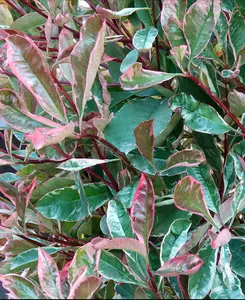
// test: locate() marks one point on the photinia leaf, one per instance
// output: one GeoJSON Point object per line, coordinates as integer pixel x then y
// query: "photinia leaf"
{"type": "Point", "coordinates": [201, 283]}
{"type": "Point", "coordinates": [136, 77]}
{"type": "Point", "coordinates": [174, 239]}
{"type": "Point", "coordinates": [189, 196]}
{"type": "Point", "coordinates": [144, 38]}
{"type": "Point", "coordinates": [144, 15]}
{"type": "Point", "coordinates": [185, 158]}
{"type": "Point", "coordinates": [129, 60]}
{"type": "Point", "coordinates": [199, 24]}
{"type": "Point", "coordinates": [174, 10]}
{"type": "Point", "coordinates": [220, 239]}
{"type": "Point", "coordinates": [84, 287]}
{"type": "Point", "coordinates": [77, 164]}
{"type": "Point", "coordinates": [28, 64]}
{"type": "Point", "coordinates": [199, 116]}
{"type": "Point", "coordinates": [187, 264]}
{"type": "Point", "coordinates": [5, 15]}
{"type": "Point", "coordinates": [28, 21]}
{"type": "Point", "coordinates": [85, 59]}
{"type": "Point", "coordinates": [237, 103]}
{"type": "Point", "coordinates": [118, 220]}
{"type": "Point", "coordinates": [48, 275]}
{"type": "Point", "coordinates": [235, 32]}
{"type": "Point", "coordinates": [221, 30]}
{"type": "Point", "coordinates": [65, 204]}
{"type": "Point", "coordinates": [128, 244]}
{"type": "Point", "coordinates": [144, 137]}
{"type": "Point", "coordinates": [143, 209]}
{"type": "Point", "coordinates": [120, 132]}
{"type": "Point", "coordinates": [225, 268]}
{"type": "Point", "coordinates": [238, 260]}
{"type": "Point", "coordinates": [43, 137]}
{"type": "Point", "coordinates": [109, 14]}
{"type": "Point", "coordinates": [110, 267]}
{"type": "Point", "coordinates": [20, 287]}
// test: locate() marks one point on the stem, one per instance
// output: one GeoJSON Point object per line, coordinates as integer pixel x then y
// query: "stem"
{"type": "Point", "coordinates": [20, 11]}
{"type": "Point", "coordinates": [217, 100]}
{"type": "Point", "coordinates": [105, 169]}
{"type": "Point", "coordinates": [152, 283]}
{"type": "Point", "coordinates": [99, 178]}
{"type": "Point", "coordinates": [60, 151]}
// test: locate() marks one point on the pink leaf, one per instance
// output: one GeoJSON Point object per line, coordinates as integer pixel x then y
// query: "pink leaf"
{"type": "Point", "coordinates": [189, 196]}
{"type": "Point", "coordinates": [84, 288]}
{"type": "Point", "coordinates": [221, 239]}
{"type": "Point", "coordinates": [48, 274]}
{"type": "Point", "coordinates": [187, 264]}
{"type": "Point", "coordinates": [43, 137]}
{"type": "Point", "coordinates": [120, 243]}
{"type": "Point", "coordinates": [187, 158]}
{"type": "Point", "coordinates": [143, 209]}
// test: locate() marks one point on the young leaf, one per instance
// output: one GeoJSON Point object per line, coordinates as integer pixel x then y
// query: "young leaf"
{"type": "Point", "coordinates": [109, 14]}
{"type": "Point", "coordinates": [136, 78]}
{"type": "Point", "coordinates": [77, 164]}
{"type": "Point", "coordinates": [28, 64]}
{"type": "Point", "coordinates": [48, 275]}
{"type": "Point", "coordinates": [110, 267]}
{"type": "Point", "coordinates": [201, 283]}
{"type": "Point", "coordinates": [199, 24]}
{"type": "Point", "coordinates": [86, 58]}
{"type": "Point", "coordinates": [144, 137]}
{"type": "Point", "coordinates": [84, 287]}
{"type": "Point", "coordinates": [65, 204]}
{"type": "Point", "coordinates": [144, 38]}
{"type": "Point", "coordinates": [143, 209]}
{"type": "Point", "coordinates": [187, 264]}
{"type": "Point", "coordinates": [174, 239]}
{"type": "Point", "coordinates": [118, 220]}
{"type": "Point", "coordinates": [187, 158]}
{"type": "Point", "coordinates": [199, 116]}
{"type": "Point", "coordinates": [189, 196]}
{"type": "Point", "coordinates": [222, 239]}
{"type": "Point", "coordinates": [237, 103]}
{"type": "Point", "coordinates": [20, 287]}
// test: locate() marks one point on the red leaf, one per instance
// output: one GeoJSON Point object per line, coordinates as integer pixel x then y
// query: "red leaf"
{"type": "Point", "coordinates": [143, 209]}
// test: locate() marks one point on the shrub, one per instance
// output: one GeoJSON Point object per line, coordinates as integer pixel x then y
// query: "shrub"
{"type": "Point", "coordinates": [123, 123]}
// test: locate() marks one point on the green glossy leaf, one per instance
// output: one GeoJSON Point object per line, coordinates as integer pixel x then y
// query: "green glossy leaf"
{"type": "Point", "coordinates": [28, 257]}
{"type": "Point", "coordinates": [28, 21]}
{"type": "Point", "coordinates": [144, 15]}
{"type": "Point", "coordinates": [174, 239]}
{"type": "Point", "coordinates": [144, 38]}
{"type": "Point", "coordinates": [77, 164]}
{"type": "Point", "coordinates": [65, 205]}
{"type": "Point", "coordinates": [136, 77]}
{"type": "Point", "coordinates": [229, 174]}
{"type": "Point", "coordinates": [109, 14]}
{"type": "Point", "coordinates": [126, 195]}
{"type": "Point", "coordinates": [189, 196]}
{"type": "Point", "coordinates": [238, 259]}
{"type": "Point", "coordinates": [202, 173]}
{"type": "Point", "coordinates": [201, 283]}
{"type": "Point", "coordinates": [199, 116]}
{"type": "Point", "coordinates": [164, 217]}
{"type": "Point", "coordinates": [224, 266]}
{"type": "Point", "coordinates": [221, 30]}
{"type": "Point", "coordinates": [130, 59]}
{"type": "Point", "coordinates": [20, 287]}
{"type": "Point", "coordinates": [237, 26]}
{"type": "Point", "coordinates": [85, 59]}
{"type": "Point", "coordinates": [199, 24]}
{"type": "Point", "coordinates": [28, 64]}
{"type": "Point", "coordinates": [110, 267]}
{"type": "Point", "coordinates": [174, 10]}
{"type": "Point", "coordinates": [119, 131]}
{"type": "Point", "coordinates": [118, 220]}
{"type": "Point", "coordinates": [144, 137]}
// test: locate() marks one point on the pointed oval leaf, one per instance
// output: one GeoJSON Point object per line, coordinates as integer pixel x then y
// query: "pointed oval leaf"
{"type": "Point", "coordinates": [201, 283]}
{"type": "Point", "coordinates": [110, 14]}
{"type": "Point", "coordinates": [238, 259]}
{"type": "Point", "coordinates": [186, 158]}
{"type": "Point", "coordinates": [118, 220]}
{"type": "Point", "coordinates": [236, 30]}
{"type": "Point", "coordinates": [28, 64]}
{"type": "Point", "coordinates": [187, 264]}
{"type": "Point", "coordinates": [110, 267]}
{"type": "Point", "coordinates": [130, 59]}
{"type": "Point", "coordinates": [189, 196]}
{"type": "Point", "coordinates": [144, 137]}
{"type": "Point", "coordinates": [48, 275]}
{"type": "Point", "coordinates": [237, 103]}
{"type": "Point", "coordinates": [174, 239]}
{"type": "Point", "coordinates": [143, 209]}
{"type": "Point", "coordinates": [28, 21]}
{"type": "Point", "coordinates": [86, 58]}
{"type": "Point", "coordinates": [221, 239]}
{"type": "Point", "coordinates": [136, 78]}
{"type": "Point", "coordinates": [20, 287]}
{"type": "Point", "coordinates": [199, 24]}
{"type": "Point", "coordinates": [84, 288]}
{"type": "Point", "coordinates": [199, 116]}
{"type": "Point", "coordinates": [144, 38]}
{"type": "Point", "coordinates": [225, 268]}
{"type": "Point", "coordinates": [77, 164]}
{"type": "Point", "coordinates": [173, 9]}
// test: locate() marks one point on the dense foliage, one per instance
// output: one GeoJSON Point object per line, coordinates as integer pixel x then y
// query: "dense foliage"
{"type": "Point", "coordinates": [124, 125]}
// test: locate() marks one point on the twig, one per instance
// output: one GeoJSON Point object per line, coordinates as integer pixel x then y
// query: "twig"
{"type": "Point", "coordinates": [20, 11]}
